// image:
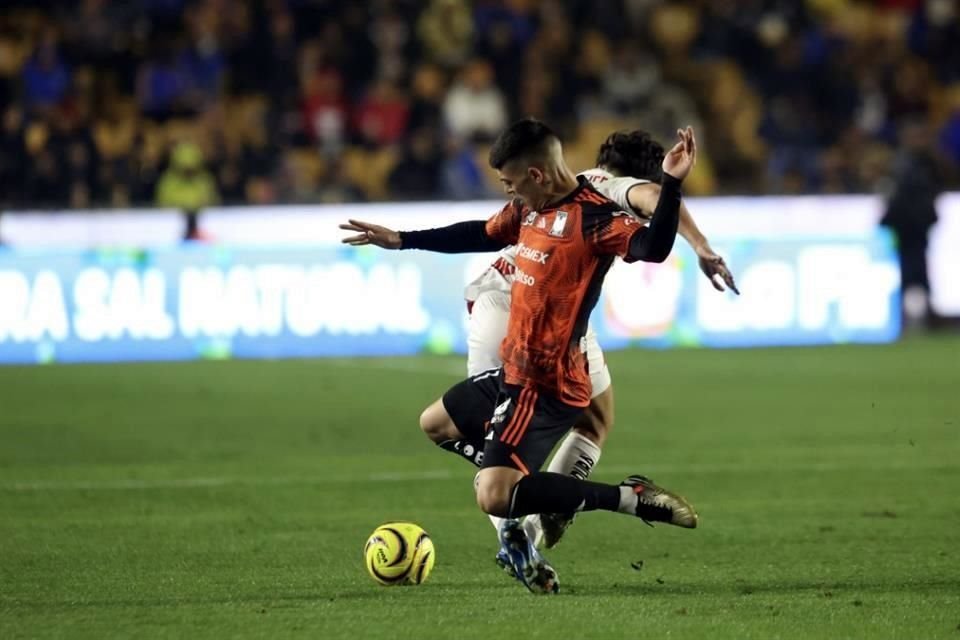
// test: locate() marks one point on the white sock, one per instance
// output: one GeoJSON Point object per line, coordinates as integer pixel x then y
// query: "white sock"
{"type": "Point", "coordinates": [577, 456]}
{"type": "Point", "coordinates": [531, 527]}
{"type": "Point", "coordinates": [628, 501]}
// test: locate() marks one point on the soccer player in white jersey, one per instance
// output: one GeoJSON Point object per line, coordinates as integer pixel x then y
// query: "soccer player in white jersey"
{"type": "Point", "coordinates": [628, 172]}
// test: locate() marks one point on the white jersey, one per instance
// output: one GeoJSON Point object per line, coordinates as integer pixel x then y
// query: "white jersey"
{"type": "Point", "coordinates": [499, 276]}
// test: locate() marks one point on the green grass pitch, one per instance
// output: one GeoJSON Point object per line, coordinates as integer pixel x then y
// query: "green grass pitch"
{"type": "Point", "coordinates": [231, 499]}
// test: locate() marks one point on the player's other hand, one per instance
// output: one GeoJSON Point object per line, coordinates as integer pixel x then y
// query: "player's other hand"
{"type": "Point", "coordinates": [371, 234]}
{"type": "Point", "coordinates": [680, 159]}
{"type": "Point", "coordinates": [712, 266]}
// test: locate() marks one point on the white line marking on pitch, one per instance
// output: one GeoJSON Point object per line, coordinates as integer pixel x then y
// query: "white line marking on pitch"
{"type": "Point", "coordinates": [428, 475]}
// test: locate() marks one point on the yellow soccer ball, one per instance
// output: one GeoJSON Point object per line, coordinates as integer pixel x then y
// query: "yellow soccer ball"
{"type": "Point", "coordinates": [399, 553]}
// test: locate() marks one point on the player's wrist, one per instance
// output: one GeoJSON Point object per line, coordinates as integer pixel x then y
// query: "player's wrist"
{"type": "Point", "coordinates": [702, 248]}
{"type": "Point", "coordinates": [670, 180]}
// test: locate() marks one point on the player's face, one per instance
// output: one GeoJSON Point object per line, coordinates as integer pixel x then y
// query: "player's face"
{"type": "Point", "coordinates": [523, 181]}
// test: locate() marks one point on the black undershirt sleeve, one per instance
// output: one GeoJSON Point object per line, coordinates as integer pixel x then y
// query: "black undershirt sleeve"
{"type": "Point", "coordinates": [462, 237]}
{"type": "Point", "coordinates": [654, 242]}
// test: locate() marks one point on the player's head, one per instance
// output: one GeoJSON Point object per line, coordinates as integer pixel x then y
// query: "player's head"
{"type": "Point", "coordinates": [632, 153]}
{"type": "Point", "coordinates": [528, 158]}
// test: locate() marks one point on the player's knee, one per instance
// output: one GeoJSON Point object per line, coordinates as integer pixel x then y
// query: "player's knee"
{"type": "Point", "coordinates": [492, 500]}
{"type": "Point", "coordinates": [437, 424]}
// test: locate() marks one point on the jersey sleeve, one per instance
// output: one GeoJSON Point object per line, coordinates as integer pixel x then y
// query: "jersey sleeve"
{"type": "Point", "coordinates": [505, 225]}
{"type": "Point", "coordinates": [612, 234]}
{"type": "Point", "coordinates": [618, 190]}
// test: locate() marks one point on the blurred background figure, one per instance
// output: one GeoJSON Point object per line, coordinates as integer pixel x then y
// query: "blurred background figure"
{"type": "Point", "coordinates": [911, 212]}
{"type": "Point", "coordinates": [187, 185]}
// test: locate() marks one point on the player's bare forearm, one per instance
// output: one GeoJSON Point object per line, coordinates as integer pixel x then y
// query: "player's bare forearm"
{"type": "Point", "coordinates": [644, 197]}
{"type": "Point", "coordinates": [655, 242]}
{"type": "Point", "coordinates": [689, 231]}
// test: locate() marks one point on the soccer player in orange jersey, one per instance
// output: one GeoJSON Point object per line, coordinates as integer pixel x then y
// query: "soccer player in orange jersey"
{"type": "Point", "coordinates": [567, 236]}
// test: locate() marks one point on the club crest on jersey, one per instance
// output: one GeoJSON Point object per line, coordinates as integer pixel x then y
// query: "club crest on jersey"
{"type": "Point", "coordinates": [559, 224]}
{"type": "Point", "coordinates": [500, 412]}
{"type": "Point", "coordinates": [531, 217]}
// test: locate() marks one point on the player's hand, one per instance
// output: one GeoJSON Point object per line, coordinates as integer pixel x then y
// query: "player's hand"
{"type": "Point", "coordinates": [371, 234]}
{"type": "Point", "coordinates": [680, 159]}
{"type": "Point", "coordinates": [712, 266]}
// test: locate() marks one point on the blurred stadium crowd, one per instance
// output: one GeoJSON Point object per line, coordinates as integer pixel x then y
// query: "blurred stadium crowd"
{"type": "Point", "coordinates": [192, 102]}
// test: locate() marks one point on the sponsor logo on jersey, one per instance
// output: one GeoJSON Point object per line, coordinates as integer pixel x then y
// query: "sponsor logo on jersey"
{"type": "Point", "coordinates": [529, 220]}
{"type": "Point", "coordinates": [524, 278]}
{"type": "Point", "coordinates": [534, 255]}
{"type": "Point", "coordinates": [559, 224]}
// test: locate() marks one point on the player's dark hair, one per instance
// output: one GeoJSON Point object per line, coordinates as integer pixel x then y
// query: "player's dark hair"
{"type": "Point", "coordinates": [524, 138]}
{"type": "Point", "coordinates": [632, 153]}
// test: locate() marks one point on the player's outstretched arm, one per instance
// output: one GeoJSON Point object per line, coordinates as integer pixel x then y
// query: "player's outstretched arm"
{"type": "Point", "coordinates": [644, 197]}
{"type": "Point", "coordinates": [462, 237]}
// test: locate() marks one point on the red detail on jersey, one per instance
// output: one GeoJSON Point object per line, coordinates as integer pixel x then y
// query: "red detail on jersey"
{"type": "Point", "coordinates": [591, 196]}
{"type": "Point", "coordinates": [505, 268]}
{"type": "Point", "coordinates": [517, 461]}
{"type": "Point", "coordinates": [521, 416]}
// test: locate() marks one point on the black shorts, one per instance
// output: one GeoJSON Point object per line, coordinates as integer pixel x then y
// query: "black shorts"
{"type": "Point", "coordinates": [518, 425]}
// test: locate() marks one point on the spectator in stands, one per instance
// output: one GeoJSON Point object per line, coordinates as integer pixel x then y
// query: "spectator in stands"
{"type": "Point", "coordinates": [446, 30]}
{"type": "Point", "coordinates": [202, 62]}
{"type": "Point", "coordinates": [162, 83]}
{"type": "Point", "coordinates": [417, 175]}
{"type": "Point", "coordinates": [12, 155]}
{"type": "Point", "coordinates": [462, 176]}
{"type": "Point", "coordinates": [504, 33]}
{"type": "Point", "coordinates": [475, 108]}
{"type": "Point", "coordinates": [46, 78]}
{"type": "Point", "coordinates": [426, 105]}
{"type": "Point", "coordinates": [950, 134]}
{"type": "Point", "coordinates": [632, 80]}
{"type": "Point", "coordinates": [336, 185]}
{"type": "Point", "coordinates": [325, 109]}
{"type": "Point", "coordinates": [380, 118]}
{"type": "Point", "coordinates": [98, 33]}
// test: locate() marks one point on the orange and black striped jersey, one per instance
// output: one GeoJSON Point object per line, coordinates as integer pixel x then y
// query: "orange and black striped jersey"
{"type": "Point", "coordinates": [562, 255]}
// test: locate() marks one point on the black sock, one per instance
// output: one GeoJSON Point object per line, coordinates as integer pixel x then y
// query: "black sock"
{"type": "Point", "coordinates": [545, 492]}
{"type": "Point", "coordinates": [471, 450]}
